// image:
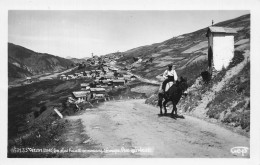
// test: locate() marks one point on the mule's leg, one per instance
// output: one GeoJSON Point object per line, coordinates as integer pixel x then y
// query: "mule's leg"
{"type": "Point", "coordinates": [160, 103]}
{"type": "Point", "coordinates": [172, 113]}
{"type": "Point", "coordinates": [164, 106]}
{"type": "Point", "coordinates": [174, 109]}
{"type": "Point", "coordinates": [161, 109]}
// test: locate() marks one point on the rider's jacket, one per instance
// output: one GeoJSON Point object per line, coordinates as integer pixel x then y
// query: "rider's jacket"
{"type": "Point", "coordinates": [171, 73]}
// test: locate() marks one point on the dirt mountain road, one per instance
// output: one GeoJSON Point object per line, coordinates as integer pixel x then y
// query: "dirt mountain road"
{"type": "Point", "coordinates": [118, 126]}
{"type": "Point", "coordinates": [56, 74]}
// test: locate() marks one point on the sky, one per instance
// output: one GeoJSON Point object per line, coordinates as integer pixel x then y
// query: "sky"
{"type": "Point", "coordinates": [79, 33]}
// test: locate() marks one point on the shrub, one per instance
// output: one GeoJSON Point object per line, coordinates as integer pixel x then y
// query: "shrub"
{"type": "Point", "coordinates": [205, 76]}
{"type": "Point", "coordinates": [238, 57]}
{"type": "Point", "coordinates": [42, 109]}
{"type": "Point", "coordinates": [238, 106]}
{"type": "Point", "coordinates": [245, 120]}
{"type": "Point", "coordinates": [36, 114]}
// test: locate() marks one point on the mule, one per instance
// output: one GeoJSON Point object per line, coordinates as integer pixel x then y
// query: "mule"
{"type": "Point", "coordinates": [173, 94]}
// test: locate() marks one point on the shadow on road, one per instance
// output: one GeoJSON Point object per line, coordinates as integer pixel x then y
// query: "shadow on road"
{"type": "Point", "coordinates": [171, 116]}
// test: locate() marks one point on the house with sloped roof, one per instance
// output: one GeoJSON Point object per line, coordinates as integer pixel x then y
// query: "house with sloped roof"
{"type": "Point", "coordinates": [127, 77]}
{"type": "Point", "coordinates": [107, 82]}
{"type": "Point", "coordinates": [84, 86]}
{"type": "Point", "coordinates": [220, 47]}
{"type": "Point", "coordinates": [133, 77]}
{"type": "Point", "coordinates": [95, 91]}
{"type": "Point", "coordinates": [63, 77]}
{"type": "Point", "coordinates": [109, 75]}
{"type": "Point", "coordinates": [99, 96]}
{"type": "Point", "coordinates": [70, 77]}
{"type": "Point", "coordinates": [28, 79]}
{"type": "Point", "coordinates": [118, 82]}
{"type": "Point", "coordinates": [98, 90]}
{"type": "Point", "coordinates": [81, 96]}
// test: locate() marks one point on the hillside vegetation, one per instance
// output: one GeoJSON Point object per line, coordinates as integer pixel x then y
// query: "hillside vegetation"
{"type": "Point", "coordinates": [226, 98]}
{"type": "Point", "coordinates": [23, 62]}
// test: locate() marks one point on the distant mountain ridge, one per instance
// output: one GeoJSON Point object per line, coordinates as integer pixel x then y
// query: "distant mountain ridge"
{"type": "Point", "coordinates": [24, 62]}
{"type": "Point", "coordinates": [69, 57]}
{"type": "Point", "coordinates": [77, 60]}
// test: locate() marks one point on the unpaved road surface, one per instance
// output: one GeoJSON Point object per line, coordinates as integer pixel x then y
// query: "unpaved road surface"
{"type": "Point", "coordinates": [56, 74]}
{"type": "Point", "coordinates": [119, 126]}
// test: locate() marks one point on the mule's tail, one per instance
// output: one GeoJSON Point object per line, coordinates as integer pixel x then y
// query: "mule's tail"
{"type": "Point", "coordinates": [160, 99]}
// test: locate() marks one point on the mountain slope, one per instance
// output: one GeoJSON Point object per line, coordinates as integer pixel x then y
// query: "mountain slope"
{"type": "Point", "coordinates": [15, 72]}
{"type": "Point", "coordinates": [24, 62]}
{"type": "Point", "coordinates": [182, 51]}
{"type": "Point", "coordinates": [226, 98]}
{"type": "Point", "coordinates": [77, 60]}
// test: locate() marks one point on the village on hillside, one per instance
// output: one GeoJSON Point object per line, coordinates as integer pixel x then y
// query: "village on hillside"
{"type": "Point", "coordinates": [96, 83]}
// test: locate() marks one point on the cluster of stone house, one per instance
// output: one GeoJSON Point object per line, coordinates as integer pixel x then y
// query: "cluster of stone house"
{"type": "Point", "coordinates": [95, 60]}
{"type": "Point", "coordinates": [103, 80]}
{"type": "Point", "coordinates": [81, 75]}
{"type": "Point", "coordinates": [86, 94]}
{"type": "Point", "coordinates": [31, 80]}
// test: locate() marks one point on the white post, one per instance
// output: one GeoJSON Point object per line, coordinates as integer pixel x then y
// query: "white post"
{"type": "Point", "coordinates": [90, 104]}
{"type": "Point", "coordinates": [57, 111]}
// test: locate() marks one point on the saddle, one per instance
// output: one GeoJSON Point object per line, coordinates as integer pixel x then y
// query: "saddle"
{"type": "Point", "coordinates": [167, 87]}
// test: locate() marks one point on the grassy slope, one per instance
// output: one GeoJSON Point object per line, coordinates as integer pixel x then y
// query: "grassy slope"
{"type": "Point", "coordinates": [231, 105]}
{"type": "Point", "coordinates": [27, 99]}
{"type": "Point", "coordinates": [16, 72]}
{"type": "Point", "coordinates": [176, 56]}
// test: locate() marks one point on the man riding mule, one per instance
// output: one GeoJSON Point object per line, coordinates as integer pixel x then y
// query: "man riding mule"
{"type": "Point", "coordinates": [169, 75]}
{"type": "Point", "coordinates": [174, 95]}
